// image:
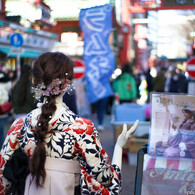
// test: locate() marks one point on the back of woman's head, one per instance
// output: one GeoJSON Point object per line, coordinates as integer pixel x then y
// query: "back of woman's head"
{"type": "Point", "coordinates": [48, 68]}
{"type": "Point", "coordinates": [52, 65]}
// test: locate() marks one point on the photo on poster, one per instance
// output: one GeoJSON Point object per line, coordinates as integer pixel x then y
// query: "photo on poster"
{"type": "Point", "coordinates": [172, 126]}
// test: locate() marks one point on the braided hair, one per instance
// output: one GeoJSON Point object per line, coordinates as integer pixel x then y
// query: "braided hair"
{"type": "Point", "coordinates": [47, 67]}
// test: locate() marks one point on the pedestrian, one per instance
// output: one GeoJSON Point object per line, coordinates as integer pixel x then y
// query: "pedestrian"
{"type": "Point", "coordinates": [100, 108]}
{"type": "Point", "coordinates": [66, 155]}
{"type": "Point", "coordinates": [183, 82]}
{"type": "Point", "coordinates": [149, 80]}
{"type": "Point", "coordinates": [5, 87]}
{"type": "Point", "coordinates": [21, 94]}
{"type": "Point", "coordinates": [174, 82]}
{"type": "Point", "coordinates": [125, 85]}
{"type": "Point", "coordinates": [159, 80]}
{"type": "Point", "coordinates": [70, 100]}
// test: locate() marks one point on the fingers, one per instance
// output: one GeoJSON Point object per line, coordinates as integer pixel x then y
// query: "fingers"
{"type": "Point", "coordinates": [124, 130]}
{"type": "Point", "coordinates": [136, 124]}
{"type": "Point", "coordinates": [133, 128]}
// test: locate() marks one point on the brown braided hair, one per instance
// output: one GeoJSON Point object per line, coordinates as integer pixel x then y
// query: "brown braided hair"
{"type": "Point", "coordinates": [47, 67]}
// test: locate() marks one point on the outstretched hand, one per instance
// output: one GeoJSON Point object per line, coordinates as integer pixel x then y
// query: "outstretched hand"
{"type": "Point", "coordinates": [125, 135]}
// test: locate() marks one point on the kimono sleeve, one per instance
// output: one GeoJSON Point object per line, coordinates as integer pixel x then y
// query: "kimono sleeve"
{"type": "Point", "coordinates": [175, 140]}
{"type": "Point", "coordinates": [97, 175]}
{"type": "Point", "coordinates": [191, 148]}
{"type": "Point", "coordinates": [9, 146]}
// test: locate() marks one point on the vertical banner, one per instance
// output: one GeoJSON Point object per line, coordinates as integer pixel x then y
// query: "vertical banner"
{"type": "Point", "coordinates": [96, 24]}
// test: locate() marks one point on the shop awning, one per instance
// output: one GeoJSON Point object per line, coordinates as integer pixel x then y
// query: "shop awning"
{"type": "Point", "coordinates": [25, 52]}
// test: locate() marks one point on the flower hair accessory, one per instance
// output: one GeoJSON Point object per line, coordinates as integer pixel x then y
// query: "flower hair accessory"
{"type": "Point", "coordinates": [56, 87]}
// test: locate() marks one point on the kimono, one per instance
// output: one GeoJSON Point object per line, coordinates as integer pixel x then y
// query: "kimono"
{"type": "Point", "coordinates": [186, 134]}
{"type": "Point", "coordinates": [69, 137]}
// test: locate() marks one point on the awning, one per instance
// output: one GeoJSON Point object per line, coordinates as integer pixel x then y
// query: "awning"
{"type": "Point", "coordinates": [25, 52]}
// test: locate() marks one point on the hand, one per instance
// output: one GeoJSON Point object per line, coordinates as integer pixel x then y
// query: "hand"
{"type": "Point", "coordinates": [182, 146]}
{"type": "Point", "coordinates": [125, 135]}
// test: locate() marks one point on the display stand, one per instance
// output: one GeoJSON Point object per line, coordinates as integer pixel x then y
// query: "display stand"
{"type": "Point", "coordinates": [139, 169]}
{"type": "Point", "coordinates": [167, 164]}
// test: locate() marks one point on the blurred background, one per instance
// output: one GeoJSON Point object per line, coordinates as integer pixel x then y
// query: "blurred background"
{"type": "Point", "coordinates": [149, 35]}
{"type": "Point", "coordinates": [123, 51]}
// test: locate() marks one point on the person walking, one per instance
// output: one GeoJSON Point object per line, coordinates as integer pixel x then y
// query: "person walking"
{"type": "Point", "coordinates": [21, 94]}
{"type": "Point", "coordinates": [125, 85]}
{"type": "Point", "coordinates": [159, 80]}
{"type": "Point", "coordinates": [59, 143]}
{"type": "Point", "coordinates": [5, 87]}
{"type": "Point", "coordinates": [101, 107]}
{"type": "Point", "coordinates": [149, 80]}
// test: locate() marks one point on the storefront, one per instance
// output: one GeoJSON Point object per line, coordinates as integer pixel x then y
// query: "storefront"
{"type": "Point", "coordinates": [34, 43]}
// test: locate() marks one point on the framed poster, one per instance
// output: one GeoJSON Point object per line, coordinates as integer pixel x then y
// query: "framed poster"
{"type": "Point", "coordinates": [172, 126]}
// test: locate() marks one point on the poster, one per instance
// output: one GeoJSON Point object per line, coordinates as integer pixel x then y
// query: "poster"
{"type": "Point", "coordinates": [172, 126]}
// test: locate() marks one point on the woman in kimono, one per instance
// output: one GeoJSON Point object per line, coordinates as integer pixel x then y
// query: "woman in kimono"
{"type": "Point", "coordinates": [66, 155]}
{"type": "Point", "coordinates": [183, 143]}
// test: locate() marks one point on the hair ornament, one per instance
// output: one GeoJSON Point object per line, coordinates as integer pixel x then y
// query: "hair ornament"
{"type": "Point", "coordinates": [38, 91]}
{"type": "Point", "coordinates": [70, 89]}
{"type": "Point", "coordinates": [56, 87]}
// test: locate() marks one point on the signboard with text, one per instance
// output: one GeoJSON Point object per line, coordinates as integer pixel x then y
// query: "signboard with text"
{"type": "Point", "coordinates": [167, 176]}
{"type": "Point", "coordinates": [96, 24]}
{"type": "Point", "coordinates": [161, 4]}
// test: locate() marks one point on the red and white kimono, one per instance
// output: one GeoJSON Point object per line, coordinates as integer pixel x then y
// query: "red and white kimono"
{"type": "Point", "coordinates": [69, 137]}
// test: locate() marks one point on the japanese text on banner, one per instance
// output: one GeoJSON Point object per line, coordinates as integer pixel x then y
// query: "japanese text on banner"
{"type": "Point", "coordinates": [96, 24]}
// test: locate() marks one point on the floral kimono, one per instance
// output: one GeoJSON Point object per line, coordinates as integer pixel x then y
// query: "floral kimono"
{"type": "Point", "coordinates": [69, 137]}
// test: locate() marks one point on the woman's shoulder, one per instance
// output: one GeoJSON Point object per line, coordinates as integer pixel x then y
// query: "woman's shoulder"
{"type": "Point", "coordinates": [87, 121]}
{"type": "Point", "coordinates": [83, 122]}
{"type": "Point", "coordinates": [82, 126]}
{"type": "Point", "coordinates": [17, 125]}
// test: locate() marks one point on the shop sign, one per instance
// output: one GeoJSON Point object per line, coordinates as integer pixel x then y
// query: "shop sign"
{"type": "Point", "coordinates": [17, 50]}
{"type": "Point", "coordinates": [96, 24]}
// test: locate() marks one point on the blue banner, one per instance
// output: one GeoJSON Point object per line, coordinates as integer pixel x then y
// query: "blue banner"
{"type": "Point", "coordinates": [96, 24]}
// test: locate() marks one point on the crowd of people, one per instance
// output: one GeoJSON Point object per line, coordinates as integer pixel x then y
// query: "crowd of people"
{"type": "Point", "coordinates": [126, 86]}
{"type": "Point", "coordinates": [167, 79]}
